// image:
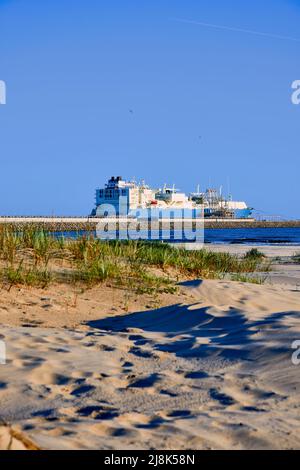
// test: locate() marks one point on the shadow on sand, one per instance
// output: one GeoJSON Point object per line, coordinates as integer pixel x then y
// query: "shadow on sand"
{"type": "Point", "coordinates": [195, 331]}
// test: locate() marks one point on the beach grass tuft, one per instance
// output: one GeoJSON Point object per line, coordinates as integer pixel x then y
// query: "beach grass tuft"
{"type": "Point", "coordinates": [254, 253]}
{"type": "Point", "coordinates": [247, 278]}
{"type": "Point", "coordinates": [296, 258]}
{"type": "Point", "coordinates": [35, 257]}
{"type": "Point", "coordinates": [28, 276]}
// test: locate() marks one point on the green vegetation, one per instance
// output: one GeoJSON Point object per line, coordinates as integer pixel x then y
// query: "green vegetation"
{"type": "Point", "coordinates": [254, 253]}
{"type": "Point", "coordinates": [35, 258]}
{"type": "Point", "coordinates": [31, 277]}
{"type": "Point", "coordinates": [250, 279]}
{"type": "Point", "coordinates": [296, 258]}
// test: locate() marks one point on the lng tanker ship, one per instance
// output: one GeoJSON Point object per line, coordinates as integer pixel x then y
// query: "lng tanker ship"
{"type": "Point", "coordinates": [129, 198]}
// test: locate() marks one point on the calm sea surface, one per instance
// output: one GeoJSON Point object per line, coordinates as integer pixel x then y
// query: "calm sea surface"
{"type": "Point", "coordinates": [255, 236]}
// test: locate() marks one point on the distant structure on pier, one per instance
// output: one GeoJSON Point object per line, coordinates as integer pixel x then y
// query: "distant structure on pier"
{"type": "Point", "coordinates": [138, 199]}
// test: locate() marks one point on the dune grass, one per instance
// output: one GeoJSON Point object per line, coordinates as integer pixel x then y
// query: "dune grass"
{"type": "Point", "coordinates": [28, 276]}
{"type": "Point", "coordinates": [34, 257]}
{"type": "Point", "coordinates": [254, 253]}
{"type": "Point", "coordinates": [296, 258]}
{"type": "Point", "coordinates": [248, 278]}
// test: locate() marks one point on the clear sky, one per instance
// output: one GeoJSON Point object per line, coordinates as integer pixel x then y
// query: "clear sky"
{"type": "Point", "coordinates": [120, 87]}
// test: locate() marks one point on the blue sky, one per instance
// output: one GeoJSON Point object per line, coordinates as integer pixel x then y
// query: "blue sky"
{"type": "Point", "coordinates": [209, 105]}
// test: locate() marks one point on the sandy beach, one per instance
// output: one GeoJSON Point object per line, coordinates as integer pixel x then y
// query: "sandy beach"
{"type": "Point", "coordinates": [285, 272]}
{"type": "Point", "coordinates": [209, 367]}
{"type": "Point", "coordinates": [271, 251]}
{"type": "Point", "coordinates": [149, 229]}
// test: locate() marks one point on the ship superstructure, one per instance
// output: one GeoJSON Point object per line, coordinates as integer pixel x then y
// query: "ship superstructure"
{"type": "Point", "coordinates": [171, 197]}
{"type": "Point", "coordinates": [123, 196]}
{"type": "Point", "coordinates": [129, 198]}
{"type": "Point", "coordinates": [216, 206]}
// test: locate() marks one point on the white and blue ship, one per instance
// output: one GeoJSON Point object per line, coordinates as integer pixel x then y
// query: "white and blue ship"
{"type": "Point", "coordinates": [132, 199]}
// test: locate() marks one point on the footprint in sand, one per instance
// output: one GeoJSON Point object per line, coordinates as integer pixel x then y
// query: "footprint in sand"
{"type": "Point", "coordinates": [248, 395]}
{"type": "Point", "coordinates": [43, 376]}
{"type": "Point", "coordinates": [89, 410]}
{"type": "Point", "coordinates": [38, 340]}
{"type": "Point", "coordinates": [168, 393]}
{"type": "Point", "coordinates": [142, 353]}
{"type": "Point", "coordinates": [104, 347]}
{"type": "Point", "coordinates": [127, 365]}
{"type": "Point", "coordinates": [3, 385]}
{"type": "Point", "coordinates": [145, 382]}
{"type": "Point", "coordinates": [253, 409]}
{"type": "Point", "coordinates": [59, 350]}
{"type": "Point", "coordinates": [122, 432]}
{"type": "Point", "coordinates": [180, 414]}
{"type": "Point", "coordinates": [27, 361]}
{"type": "Point", "coordinates": [196, 375]}
{"type": "Point", "coordinates": [153, 422]}
{"type": "Point", "coordinates": [138, 340]}
{"type": "Point", "coordinates": [98, 412]}
{"type": "Point", "coordinates": [222, 398]}
{"type": "Point", "coordinates": [48, 413]}
{"type": "Point", "coordinates": [108, 431]}
{"type": "Point", "coordinates": [32, 324]}
{"type": "Point", "coordinates": [82, 390]}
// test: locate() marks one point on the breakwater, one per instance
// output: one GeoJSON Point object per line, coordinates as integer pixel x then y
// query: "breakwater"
{"type": "Point", "coordinates": [71, 224]}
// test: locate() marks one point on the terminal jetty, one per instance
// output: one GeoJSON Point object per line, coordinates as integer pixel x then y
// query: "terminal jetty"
{"type": "Point", "coordinates": [90, 224]}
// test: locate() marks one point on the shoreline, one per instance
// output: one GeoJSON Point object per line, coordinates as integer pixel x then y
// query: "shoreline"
{"type": "Point", "coordinates": [270, 251]}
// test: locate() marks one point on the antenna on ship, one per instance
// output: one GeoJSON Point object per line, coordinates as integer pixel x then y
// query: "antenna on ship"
{"type": "Point", "coordinates": [228, 186]}
{"type": "Point", "coordinates": [221, 198]}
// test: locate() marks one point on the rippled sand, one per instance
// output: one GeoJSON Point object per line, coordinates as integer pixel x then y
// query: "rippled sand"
{"type": "Point", "coordinates": [212, 370]}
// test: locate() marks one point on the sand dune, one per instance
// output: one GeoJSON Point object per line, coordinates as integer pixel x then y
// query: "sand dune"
{"type": "Point", "coordinates": [213, 373]}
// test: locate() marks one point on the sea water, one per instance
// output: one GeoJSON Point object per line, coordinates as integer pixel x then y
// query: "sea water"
{"type": "Point", "coordinates": [247, 236]}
